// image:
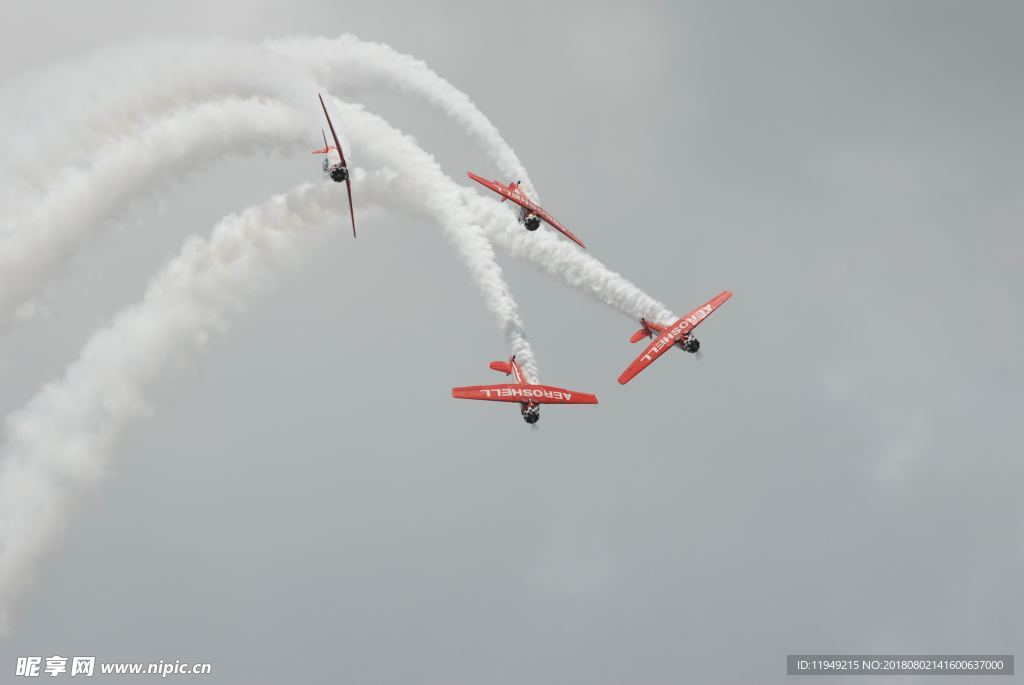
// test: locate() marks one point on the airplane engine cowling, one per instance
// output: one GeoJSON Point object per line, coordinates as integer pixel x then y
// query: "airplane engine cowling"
{"type": "Point", "coordinates": [532, 222]}
{"type": "Point", "coordinates": [691, 345]}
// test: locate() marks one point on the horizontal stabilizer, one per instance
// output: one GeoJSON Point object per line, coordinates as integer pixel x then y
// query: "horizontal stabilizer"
{"type": "Point", "coordinates": [503, 367]}
{"type": "Point", "coordinates": [640, 335]}
{"type": "Point", "coordinates": [509, 392]}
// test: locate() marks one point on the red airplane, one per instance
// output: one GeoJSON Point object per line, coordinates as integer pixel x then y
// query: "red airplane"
{"type": "Point", "coordinates": [337, 170]}
{"type": "Point", "coordinates": [528, 212]}
{"type": "Point", "coordinates": [529, 396]}
{"type": "Point", "coordinates": [678, 334]}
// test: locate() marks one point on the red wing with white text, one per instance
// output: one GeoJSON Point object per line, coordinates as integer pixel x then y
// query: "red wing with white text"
{"type": "Point", "coordinates": [528, 395]}
{"type": "Point", "coordinates": [334, 163]}
{"type": "Point", "coordinates": [528, 212]}
{"type": "Point", "coordinates": [679, 334]}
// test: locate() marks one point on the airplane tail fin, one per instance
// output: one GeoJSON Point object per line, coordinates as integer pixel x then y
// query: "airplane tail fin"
{"type": "Point", "coordinates": [512, 186]}
{"type": "Point", "coordinates": [326, 148]}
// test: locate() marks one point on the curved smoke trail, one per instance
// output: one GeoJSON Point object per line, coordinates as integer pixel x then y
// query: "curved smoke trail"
{"type": "Point", "coordinates": [443, 198]}
{"type": "Point", "coordinates": [182, 139]}
{"type": "Point", "coordinates": [29, 254]}
{"type": "Point", "coordinates": [140, 161]}
{"type": "Point", "coordinates": [348, 63]}
{"type": "Point", "coordinates": [50, 235]}
{"type": "Point", "coordinates": [563, 261]}
{"type": "Point", "coordinates": [58, 445]}
{"type": "Point", "coordinates": [65, 113]}
{"type": "Point", "coordinates": [159, 75]}
{"type": "Point", "coordinates": [363, 64]}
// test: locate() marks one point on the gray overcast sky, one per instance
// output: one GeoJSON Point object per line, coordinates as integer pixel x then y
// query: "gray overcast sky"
{"type": "Point", "coordinates": [841, 472]}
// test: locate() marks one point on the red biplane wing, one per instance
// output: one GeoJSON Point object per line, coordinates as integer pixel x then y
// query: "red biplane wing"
{"type": "Point", "coordinates": [334, 135]}
{"type": "Point", "coordinates": [517, 196]}
{"type": "Point", "coordinates": [673, 334]}
{"type": "Point", "coordinates": [512, 392]}
{"type": "Point", "coordinates": [341, 154]}
{"type": "Point", "coordinates": [351, 209]}
{"type": "Point", "coordinates": [557, 226]}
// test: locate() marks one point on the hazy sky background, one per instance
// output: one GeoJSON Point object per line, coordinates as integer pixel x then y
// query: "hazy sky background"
{"type": "Point", "coordinates": [841, 472]}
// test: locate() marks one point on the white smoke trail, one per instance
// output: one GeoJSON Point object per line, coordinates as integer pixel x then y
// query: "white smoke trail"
{"type": "Point", "coordinates": [443, 198]}
{"type": "Point", "coordinates": [63, 114]}
{"type": "Point", "coordinates": [129, 166]}
{"type": "Point", "coordinates": [385, 67]}
{"type": "Point", "coordinates": [563, 261]}
{"type": "Point", "coordinates": [181, 139]}
{"type": "Point", "coordinates": [366, 65]}
{"type": "Point", "coordinates": [66, 116]}
{"type": "Point", "coordinates": [348, 63]}
{"type": "Point", "coordinates": [69, 413]}
{"type": "Point", "coordinates": [29, 254]}
{"type": "Point", "coordinates": [58, 446]}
